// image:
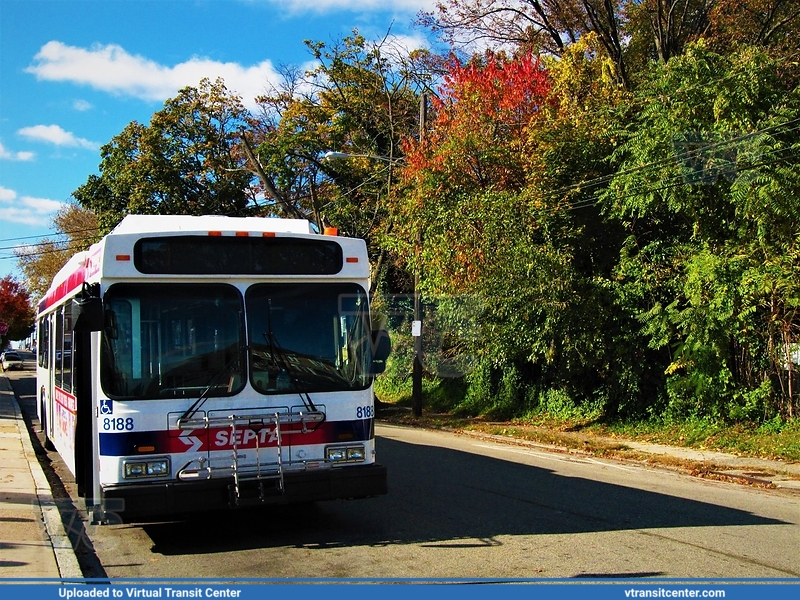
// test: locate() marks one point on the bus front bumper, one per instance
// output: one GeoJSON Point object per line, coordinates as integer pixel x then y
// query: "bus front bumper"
{"type": "Point", "coordinates": [130, 502]}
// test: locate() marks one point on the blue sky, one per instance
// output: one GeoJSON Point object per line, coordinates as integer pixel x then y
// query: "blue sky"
{"type": "Point", "coordinates": [74, 73]}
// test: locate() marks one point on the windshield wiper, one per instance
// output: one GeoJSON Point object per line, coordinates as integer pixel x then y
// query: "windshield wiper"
{"type": "Point", "coordinates": [277, 352]}
{"type": "Point", "coordinates": [226, 369]}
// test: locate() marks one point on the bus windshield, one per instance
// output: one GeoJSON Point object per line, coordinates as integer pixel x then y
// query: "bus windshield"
{"type": "Point", "coordinates": [170, 341]}
{"type": "Point", "coordinates": [187, 340]}
{"type": "Point", "coordinates": [308, 337]}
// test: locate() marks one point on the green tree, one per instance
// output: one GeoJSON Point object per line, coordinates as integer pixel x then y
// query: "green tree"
{"type": "Point", "coordinates": [597, 357]}
{"type": "Point", "coordinates": [184, 162]}
{"type": "Point", "coordinates": [492, 229]}
{"type": "Point", "coordinates": [708, 191]}
{"type": "Point", "coordinates": [361, 100]}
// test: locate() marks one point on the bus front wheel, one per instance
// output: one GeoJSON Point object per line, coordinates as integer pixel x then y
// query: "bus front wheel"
{"type": "Point", "coordinates": [48, 445]}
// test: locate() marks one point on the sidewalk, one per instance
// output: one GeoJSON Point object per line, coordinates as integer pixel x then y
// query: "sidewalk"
{"type": "Point", "coordinates": [33, 542]}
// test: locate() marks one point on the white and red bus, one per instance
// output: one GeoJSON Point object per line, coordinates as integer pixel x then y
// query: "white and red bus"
{"type": "Point", "coordinates": [188, 363]}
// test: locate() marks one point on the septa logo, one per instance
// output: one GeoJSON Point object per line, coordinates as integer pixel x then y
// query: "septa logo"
{"type": "Point", "coordinates": [245, 438]}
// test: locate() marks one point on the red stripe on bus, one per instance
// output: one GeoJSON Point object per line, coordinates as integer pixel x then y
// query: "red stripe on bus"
{"type": "Point", "coordinates": [64, 289]}
{"type": "Point", "coordinates": [66, 400]}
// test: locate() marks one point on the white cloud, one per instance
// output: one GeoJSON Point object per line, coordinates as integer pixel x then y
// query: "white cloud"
{"type": "Point", "coordinates": [82, 105]}
{"type": "Point", "coordinates": [23, 217]}
{"type": "Point", "coordinates": [54, 134]}
{"type": "Point", "coordinates": [6, 194]}
{"type": "Point", "coordinates": [112, 69]}
{"type": "Point", "coordinates": [8, 155]}
{"type": "Point", "coordinates": [26, 210]}
{"type": "Point", "coordinates": [42, 206]}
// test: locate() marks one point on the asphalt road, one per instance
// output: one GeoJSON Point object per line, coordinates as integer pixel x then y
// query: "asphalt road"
{"type": "Point", "coordinates": [460, 507]}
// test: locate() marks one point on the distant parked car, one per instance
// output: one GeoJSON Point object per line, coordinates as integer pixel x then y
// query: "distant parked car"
{"type": "Point", "coordinates": [67, 355]}
{"type": "Point", "coordinates": [12, 360]}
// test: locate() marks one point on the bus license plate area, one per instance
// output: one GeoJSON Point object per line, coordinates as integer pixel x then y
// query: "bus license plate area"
{"type": "Point", "coordinates": [250, 443]}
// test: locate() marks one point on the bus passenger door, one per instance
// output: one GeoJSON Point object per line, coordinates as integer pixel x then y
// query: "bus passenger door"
{"type": "Point", "coordinates": [85, 317]}
{"type": "Point", "coordinates": [82, 382]}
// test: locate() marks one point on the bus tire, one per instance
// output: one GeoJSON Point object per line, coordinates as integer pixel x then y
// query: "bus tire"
{"type": "Point", "coordinates": [48, 445]}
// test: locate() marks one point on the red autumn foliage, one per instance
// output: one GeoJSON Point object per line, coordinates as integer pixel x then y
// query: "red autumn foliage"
{"type": "Point", "coordinates": [15, 309]}
{"type": "Point", "coordinates": [510, 91]}
{"type": "Point", "coordinates": [480, 117]}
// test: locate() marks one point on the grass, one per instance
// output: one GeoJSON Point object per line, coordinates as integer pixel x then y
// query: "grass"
{"type": "Point", "coordinates": [773, 440]}
{"type": "Point", "coordinates": [564, 428]}
{"type": "Point", "coordinates": [745, 439]}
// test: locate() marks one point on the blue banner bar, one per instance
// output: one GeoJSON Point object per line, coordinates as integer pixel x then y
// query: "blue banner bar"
{"type": "Point", "coordinates": [400, 590]}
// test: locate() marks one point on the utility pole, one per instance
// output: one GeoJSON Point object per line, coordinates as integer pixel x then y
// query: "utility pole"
{"type": "Point", "coordinates": [416, 329]}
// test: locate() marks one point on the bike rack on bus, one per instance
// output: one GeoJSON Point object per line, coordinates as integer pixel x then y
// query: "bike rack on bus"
{"type": "Point", "coordinates": [284, 423]}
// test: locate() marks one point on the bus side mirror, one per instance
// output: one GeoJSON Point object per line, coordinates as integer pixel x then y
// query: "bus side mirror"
{"type": "Point", "coordinates": [87, 314]}
{"type": "Point", "coordinates": [87, 310]}
{"type": "Point", "coordinates": [381, 348]}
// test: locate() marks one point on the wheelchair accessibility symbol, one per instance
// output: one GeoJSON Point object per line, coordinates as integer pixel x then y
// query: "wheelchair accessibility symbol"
{"type": "Point", "coordinates": [106, 407]}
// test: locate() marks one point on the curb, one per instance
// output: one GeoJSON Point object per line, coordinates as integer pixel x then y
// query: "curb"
{"type": "Point", "coordinates": [784, 475]}
{"type": "Point", "coordinates": [66, 559]}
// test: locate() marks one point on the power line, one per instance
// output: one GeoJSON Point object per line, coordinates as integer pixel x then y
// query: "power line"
{"type": "Point", "coordinates": [683, 157]}
{"type": "Point", "coordinates": [680, 180]}
{"type": "Point", "coordinates": [57, 233]}
{"type": "Point", "coordinates": [42, 252]}
{"type": "Point", "coordinates": [25, 247]}
{"type": "Point", "coordinates": [676, 180]}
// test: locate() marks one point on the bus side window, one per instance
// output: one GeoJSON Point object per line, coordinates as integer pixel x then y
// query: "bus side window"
{"type": "Point", "coordinates": [59, 333]}
{"type": "Point", "coordinates": [64, 348]}
{"type": "Point", "coordinates": [43, 343]}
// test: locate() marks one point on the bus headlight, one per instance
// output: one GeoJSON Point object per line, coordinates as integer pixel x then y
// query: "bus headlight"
{"type": "Point", "coordinates": [355, 454]}
{"type": "Point", "coordinates": [345, 454]}
{"type": "Point", "coordinates": [133, 469]}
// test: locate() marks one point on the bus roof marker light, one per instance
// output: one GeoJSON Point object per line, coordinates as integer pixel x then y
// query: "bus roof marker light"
{"type": "Point", "coordinates": [123, 257]}
{"type": "Point", "coordinates": [242, 234]}
{"type": "Point", "coordinates": [268, 234]}
{"type": "Point", "coordinates": [215, 233]}
{"type": "Point", "coordinates": [332, 231]}
{"type": "Point", "coordinates": [352, 259]}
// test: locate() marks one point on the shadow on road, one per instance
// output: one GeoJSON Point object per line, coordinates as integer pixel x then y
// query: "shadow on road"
{"type": "Point", "coordinates": [446, 498]}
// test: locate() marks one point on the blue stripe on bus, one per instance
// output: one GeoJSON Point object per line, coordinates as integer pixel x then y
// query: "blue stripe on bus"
{"type": "Point", "coordinates": [143, 443]}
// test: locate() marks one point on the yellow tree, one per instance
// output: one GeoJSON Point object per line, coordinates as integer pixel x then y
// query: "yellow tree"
{"type": "Point", "coordinates": [76, 229]}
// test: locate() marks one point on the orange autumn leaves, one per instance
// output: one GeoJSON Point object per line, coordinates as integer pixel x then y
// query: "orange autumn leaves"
{"type": "Point", "coordinates": [472, 162]}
